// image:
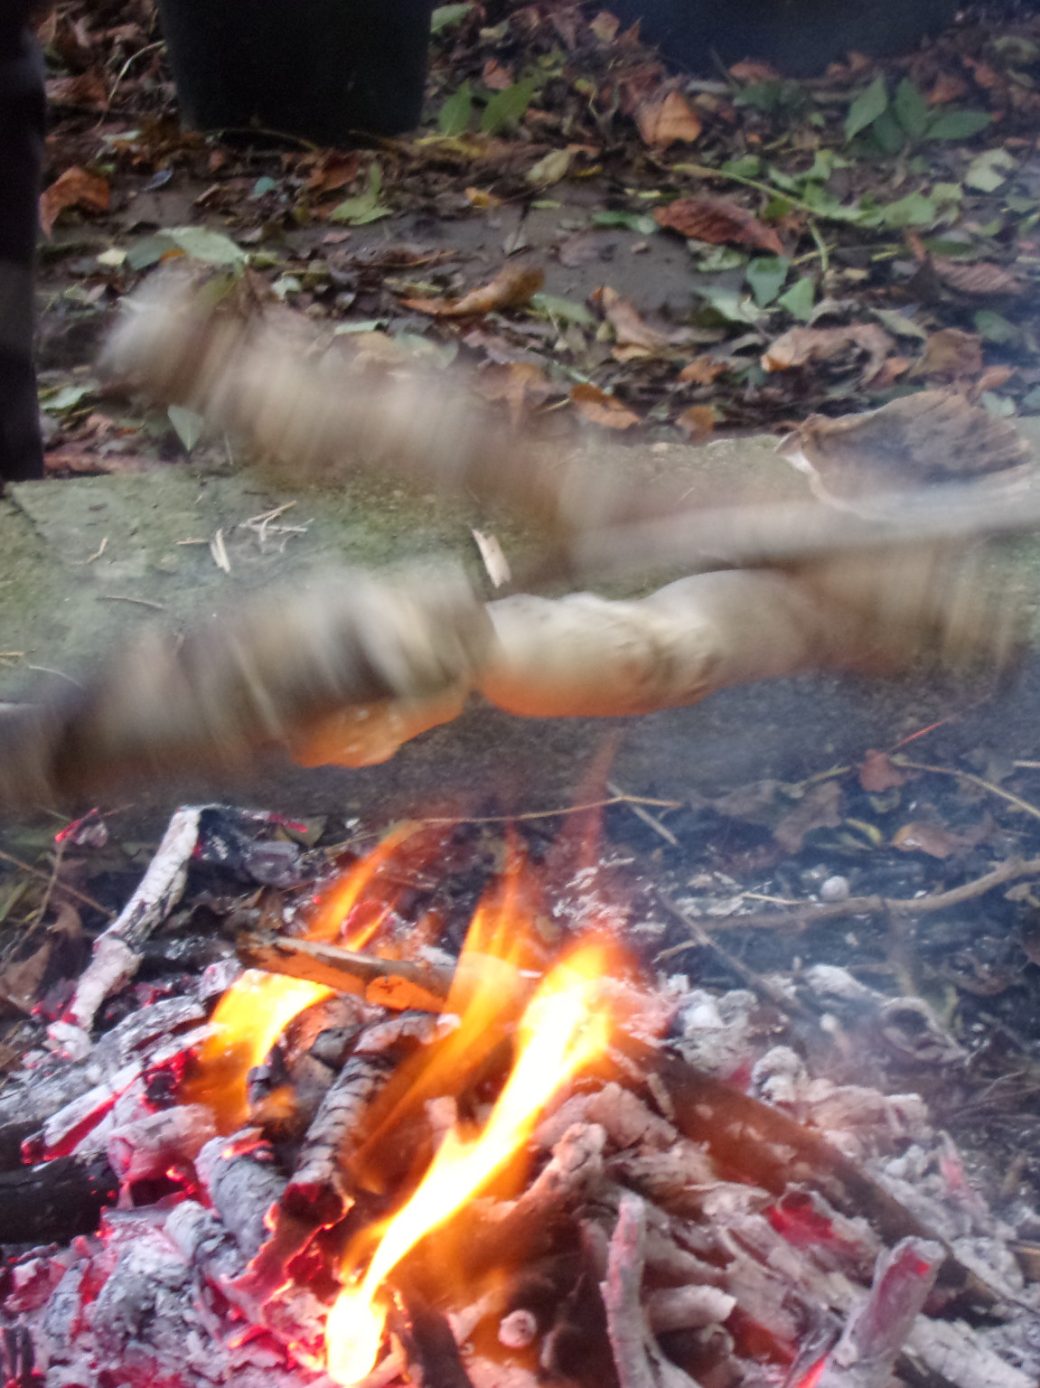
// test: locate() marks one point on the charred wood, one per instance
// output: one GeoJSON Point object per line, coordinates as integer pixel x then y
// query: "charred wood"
{"type": "Point", "coordinates": [55, 1200]}
{"type": "Point", "coordinates": [241, 1177]}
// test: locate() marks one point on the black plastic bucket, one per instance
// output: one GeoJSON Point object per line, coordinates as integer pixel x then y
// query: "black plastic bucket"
{"type": "Point", "coordinates": [320, 70]}
{"type": "Point", "coordinates": [798, 37]}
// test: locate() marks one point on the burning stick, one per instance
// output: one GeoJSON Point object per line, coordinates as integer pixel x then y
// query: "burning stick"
{"type": "Point", "coordinates": [877, 1331]}
{"type": "Point", "coordinates": [398, 984]}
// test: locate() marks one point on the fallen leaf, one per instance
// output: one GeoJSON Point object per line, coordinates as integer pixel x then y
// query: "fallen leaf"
{"type": "Point", "coordinates": [928, 437]}
{"type": "Point", "coordinates": [496, 76]}
{"type": "Point", "coordinates": [334, 172]}
{"type": "Point", "coordinates": [804, 346]}
{"type": "Point", "coordinates": [598, 407]}
{"type": "Point", "coordinates": [630, 329]}
{"type": "Point", "coordinates": [86, 89]}
{"type": "Point", "coordinates": [877, 773]}
{"type": "Point", "coordinates": [550, 168]}
{"type": "Point", "coordinates": [950, 354]}
{"type": "Point", "coordinates": [819, 808]}
{"type": "Point", "coordinates": [20, 980]}
{"type": "Point", "coordinates": [703, 370]}
{"type": "Point", "coordinates": [751, 70]}
{"type": "Point", "coordinates": [667, 122]}
{"type": "Point", "coordinates": [515, 383]}
{"type": "Point", "coordinates": [918, 836]}
{"type": "Point", "coordinates": [481, 197]}
{"type": "Point", "coordinates": [605, 26]}
{"type": "Point", "coordinates": [718, 221]}
{"type": "Point", "coordinates": [76, 187]}
{"type": "Point", "coordinates": [947, 87]}
{"type": "Point", "coordinates": [697, 422]}
{"type": "Point", "coordinates": [512, 287]}
{"type": "Point", "coordinates": [981, 279]}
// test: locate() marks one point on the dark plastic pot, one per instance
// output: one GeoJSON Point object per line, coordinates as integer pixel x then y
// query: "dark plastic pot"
{"type": "Point", "coordinates": [321, 70]}
{"type": "Point", "coordinates": [798, 37]}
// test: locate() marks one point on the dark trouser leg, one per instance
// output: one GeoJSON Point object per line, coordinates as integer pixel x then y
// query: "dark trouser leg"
{"type": "Point", "coordinates": [21, 157]}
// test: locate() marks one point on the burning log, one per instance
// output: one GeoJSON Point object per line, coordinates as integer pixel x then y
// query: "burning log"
{"type": "Point", "coordinates": [318, 1190]}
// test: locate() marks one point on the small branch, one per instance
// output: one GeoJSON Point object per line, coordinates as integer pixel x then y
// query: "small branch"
{"type": "Point", "coordinates": [1026, 806]}
{"type": "Point", "coordinates": [804, 917]}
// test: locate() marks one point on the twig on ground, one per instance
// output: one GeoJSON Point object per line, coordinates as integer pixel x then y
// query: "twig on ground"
{"type": "Point", "coordinates": [651, 821]}
{"type": "Point", "coordinates": [802, 917]}
{"type": "Point", "coordinates": [1026, 806]}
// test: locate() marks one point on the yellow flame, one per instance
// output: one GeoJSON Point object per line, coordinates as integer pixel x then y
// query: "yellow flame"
{"type": "Point", "coordinates": [560, 1033]}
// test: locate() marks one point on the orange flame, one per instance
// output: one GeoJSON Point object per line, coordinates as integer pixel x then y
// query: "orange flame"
{"type": "Point", "coordinates": [560, 1033]}
{"type": "Point", "coordinates": [258, 1007]}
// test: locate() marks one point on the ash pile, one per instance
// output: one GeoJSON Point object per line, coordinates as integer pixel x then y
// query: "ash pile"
{"type": "Point", "coordinates": [491, 1152]}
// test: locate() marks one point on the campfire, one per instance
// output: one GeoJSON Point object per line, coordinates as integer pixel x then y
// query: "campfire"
{"type": "Point", "coordinates": [499, 1151]}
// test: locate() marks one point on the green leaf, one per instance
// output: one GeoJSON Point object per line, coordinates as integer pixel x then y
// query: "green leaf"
{"type": "Point", "coordinates": [887, 134]}
{"type": "Point", "coordinates": [915, 210]}
{"type": "Point", "coordinates": [728, 304]}
{"type": "Point", "coordinates": [365, 207]}
{"type": "Point", "coordinates": [562, 310]}
{"type": "Point", "coordinates": [456, 111]}
{"type": "Point", "coordinates": [66, 398]}
{"type": "Point", "coordinates": [187, 424]}
{"type": "Point", "coordinates": [447, 16]}
{"type": "Point", "coordinates": [747, 166]}
{"type": "Point", "coordinates": [263, 185]}
{"type": "Point", "coordinates": [911, 109]}
{"type": "Point", "coordinates": [866, 107]}
{"type": "Point", "coordinates": [988, 170]}
{"type": "Point", "coordinates": [363, 325]}
{"type": "Point", "coordinates": [958, 125]}
{"type": "Point", "coordinates": [765, 276]}
{"type": "Point", "coordinates": [208, 247]}
{"type": "Point", "coordinates": [507, 108]}
{"type": "Point", "coordinates": [799, 299]}
{"type": "Point", "coordinates": [994, 327]}
{"type": "Point", "coordinates": [147, 251]}
{"type": "Point", "coordinates": [633, 221]}
{"type": "Point", "coordinates": [716, 258]}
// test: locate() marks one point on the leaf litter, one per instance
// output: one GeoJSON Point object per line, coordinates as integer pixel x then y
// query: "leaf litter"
{"type": "Point", "coordinates": [835, 241]}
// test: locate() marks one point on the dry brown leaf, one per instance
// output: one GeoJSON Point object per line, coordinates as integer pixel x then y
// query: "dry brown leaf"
{"type": "Point", "coordinates": [983, 279]}
{"type": "Point", "coordinates": [598, 407]}
{"type": "Point", "coordinates": [819, 808]}
{"type": "Point", "coordinates": [950, 354]}
{"type": "Point", "coordinates": [334, 172]}
{"type": "Point", "coordinates": [697, 422]}
{"type": "Point", "coordinates": [605, 26]}
{"type": "Point", "coordinates": [703, 370]}
{"type": "Point", "coordinates": [993, 378]}
{"type": "Point", "coordinates": [496, 76]}
{"type": "Point", "coordinates": [751, 70]}
{"type": "Point", "coordinates": [630, 329]}
{"type": "Point", "coordinates": [20, 981]}
{"type": "Point", "coordinates": [918, 836]}
{"type": "Point", "coordinates": [518, 384]}
{"type": "Point", "coordinates": [877, 773]}
{"type": "Point", "coordinates": [85, 89]}
{"type": "Point", "coordinates": [76, 187]}
{"type": "Point", "coordinates": [948, 86]}
{"type": "Point", "coordinates": [481, 197]}
{"type": "Point", "coordinates": [512, 287]}
{"type": "Point", "coordinates": [718, 221]}
{"type": "Point", "coordinates": [805, 346]}
{"type": "Point", "coordinates": [668, 122]}
{"type": "Point", "coordinates": [931, 436]}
